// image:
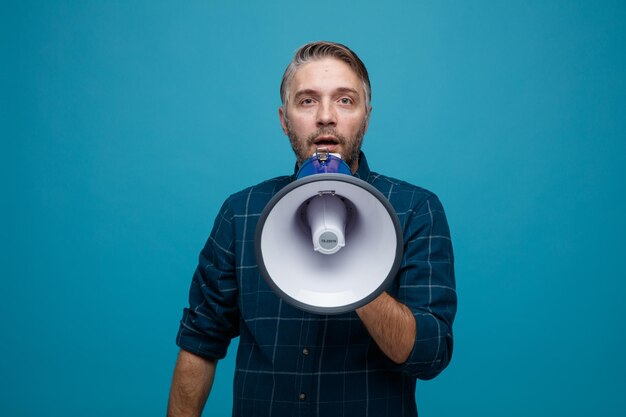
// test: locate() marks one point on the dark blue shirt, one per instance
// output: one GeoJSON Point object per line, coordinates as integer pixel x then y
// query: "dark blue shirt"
{"type": "Point", "coordinates": [294, 363]}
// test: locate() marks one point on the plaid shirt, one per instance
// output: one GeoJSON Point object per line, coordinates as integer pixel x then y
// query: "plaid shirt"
{"type": "Point", "coordinates": [294, 363]}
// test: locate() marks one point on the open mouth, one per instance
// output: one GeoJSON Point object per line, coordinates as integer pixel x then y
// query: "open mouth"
{"type": "Point", "coordinates": [326, 141]}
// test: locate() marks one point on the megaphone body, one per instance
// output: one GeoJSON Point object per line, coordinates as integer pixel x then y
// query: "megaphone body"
{"type": "Point", "coordinates": [327, 216]}
{"type": "Point", "coordinates": [328, 242]}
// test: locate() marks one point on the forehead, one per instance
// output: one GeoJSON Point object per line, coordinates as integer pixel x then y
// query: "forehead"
{"type": "Point", "coordinates": [324, 75]}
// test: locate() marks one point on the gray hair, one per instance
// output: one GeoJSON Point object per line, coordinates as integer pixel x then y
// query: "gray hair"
{"type": "Point", "coordinates": [317, 50]}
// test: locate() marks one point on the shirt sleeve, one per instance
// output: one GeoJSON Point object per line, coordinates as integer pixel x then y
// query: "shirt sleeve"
{"type": "Point", "coordinates": [427, 287]}
{"type": "Point", "coordinates": [212, 318]}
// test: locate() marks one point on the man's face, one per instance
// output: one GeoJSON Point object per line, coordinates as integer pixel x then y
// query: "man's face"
{"type": "Point", "coordinates": [326, 109]}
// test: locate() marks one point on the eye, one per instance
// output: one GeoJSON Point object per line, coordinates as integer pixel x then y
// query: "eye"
{"type": "Point", "coordinates": [345, 100]}
{"type": "Point", "coordinates": [306, 101]}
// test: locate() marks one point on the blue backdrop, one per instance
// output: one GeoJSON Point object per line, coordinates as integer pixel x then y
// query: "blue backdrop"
{"type": "Point", "coordinates": [126, 124]}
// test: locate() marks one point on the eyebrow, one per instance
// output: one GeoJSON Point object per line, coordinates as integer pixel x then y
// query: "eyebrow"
{"type": "Point", "coordinates": [311, 92]}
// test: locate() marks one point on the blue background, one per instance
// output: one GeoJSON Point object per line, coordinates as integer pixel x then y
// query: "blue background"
{"type": "Point", "coordinates": [126, 124]}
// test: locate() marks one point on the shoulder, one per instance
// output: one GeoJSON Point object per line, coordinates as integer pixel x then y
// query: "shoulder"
{"type": "Point", "coordinates": [254, 198]}
{"type": "Point", "coordinates": [419, 210]}
{"type": "Point", "coordinates": [401, 194]}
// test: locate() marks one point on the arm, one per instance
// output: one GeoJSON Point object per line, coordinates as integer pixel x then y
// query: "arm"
{"type": "Point", "coordinates": [424, 285]}
{"type": "Point", "coordinates": [392, 326]}
{"type": "Point", "coordinates": [427, 287]}
{"type": "Point", "coordinates": [191, 385]}
{"type": "Point", "coordinates": [209, 323]}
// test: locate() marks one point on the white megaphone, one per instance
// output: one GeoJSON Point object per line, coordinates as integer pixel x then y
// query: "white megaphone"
{"type": "Point", "coordinates": [328, 242]}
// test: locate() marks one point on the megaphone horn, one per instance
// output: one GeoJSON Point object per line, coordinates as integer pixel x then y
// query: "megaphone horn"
{"type": "Point", "coordinates": [328, 242]}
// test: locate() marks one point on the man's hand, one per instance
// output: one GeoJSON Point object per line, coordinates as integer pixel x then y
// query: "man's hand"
{"type": "Point", "coordinates": [193, 378]}
{"type": "Point", "coordinates": [392, 326]}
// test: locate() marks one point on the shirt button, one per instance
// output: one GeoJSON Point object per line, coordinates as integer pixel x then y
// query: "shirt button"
{"type": "Point", "coordinates": [302, 397]}
{"type": "Point", "coordinates": [305, 352]}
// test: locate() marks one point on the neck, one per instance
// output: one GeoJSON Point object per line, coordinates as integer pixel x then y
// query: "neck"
{"type": "Point", "coordinates": [354, 166]}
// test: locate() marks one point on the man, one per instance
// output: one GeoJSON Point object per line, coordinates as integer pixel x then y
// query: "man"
{"type": "Point", "coordinates": [293, 363]}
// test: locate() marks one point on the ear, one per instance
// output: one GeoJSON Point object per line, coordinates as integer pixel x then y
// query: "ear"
{"type": "Point", "coordinates": [367, 120]}
{"type": "Point", "coordinates": [283, 119]}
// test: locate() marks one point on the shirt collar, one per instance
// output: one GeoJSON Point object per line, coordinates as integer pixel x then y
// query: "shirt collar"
{"type": "Point", "coordinates": [363, 171]}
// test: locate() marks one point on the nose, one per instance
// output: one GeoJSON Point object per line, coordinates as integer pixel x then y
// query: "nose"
{"type": "Point", "coordinates": [326, 115]}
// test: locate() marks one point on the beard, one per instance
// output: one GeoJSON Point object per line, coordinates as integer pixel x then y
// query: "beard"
{"type": "Point", "coordinates": [351, 146]}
